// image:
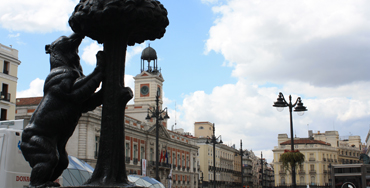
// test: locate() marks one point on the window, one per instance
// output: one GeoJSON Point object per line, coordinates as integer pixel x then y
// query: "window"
{"type": "Point", "coordinates": [151, 154]}
{"type": "Point", "coordinates": [4, 93]}
{"type": "Point", "coordinates": [183, 161]}
{"type": "Point", "coordinates": [135, 151]}
{"type": "Point", "coordinates": [312, 167]}
{"type": "Point", "coordinates": [188, 161]}
{"type": "Point", "coordinates": [178, 160]}
{"type": "Point", "coordinates": [97, 138]}
{"type": "Point", "coordinates": [6, 67]}
{"type": "Point", "coordinates": [127, 149]}
{"type": "Point", "coordinates": [201, 127]}
{"type": "Point", "coordinates": [282, 180]}
{"type": "Point", "coordinates": [3, 114]}
{"type": "Point", "coordinates": [301, 180]}
{"type": "Point", "coordinates": [142, 152]}
{"type": "Point", "coordinates": [312, 180]}
{"type": "Point", "coordinates": [301, 167]}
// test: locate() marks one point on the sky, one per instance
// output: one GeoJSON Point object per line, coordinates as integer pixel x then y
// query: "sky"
{"type": "Point", "coordinates": [225, 61]}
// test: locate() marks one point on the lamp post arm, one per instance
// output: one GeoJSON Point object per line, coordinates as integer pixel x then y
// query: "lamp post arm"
{"type": "Point", "coordinates": [164, 110]}
{"type": "Point", "coordinates": [296, 101]}
{"type": "Point", "coordinates": [219, 137]}
{"type": "Point", "coordinates": [282, 95]}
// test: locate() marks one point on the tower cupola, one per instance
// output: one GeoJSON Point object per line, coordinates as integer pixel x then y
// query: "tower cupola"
{"type": "Point", "coordinates": [148, 55]}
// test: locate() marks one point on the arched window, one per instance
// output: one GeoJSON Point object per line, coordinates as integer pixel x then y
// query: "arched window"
{"type": "Point", "coordinates": [312, 180]}
{"type": "Point", "coordinates": [282, 180]}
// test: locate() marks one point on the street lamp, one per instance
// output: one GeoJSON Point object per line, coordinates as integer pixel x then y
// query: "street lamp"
{"type": "Point", "coordinates": [201, 179]}
{"type": "Point", "coordinates": [280, 104]}
{"type": "Point", "coordinates": [261, 171]}
{"type": "Point", "coordinates": [214, 142]}
{"type": "Point", "coordinates": [157, 114]}
{"type": "Point", "coordinates": [330, 176]}
{"type": "Point", "coordinates": [241, 159]}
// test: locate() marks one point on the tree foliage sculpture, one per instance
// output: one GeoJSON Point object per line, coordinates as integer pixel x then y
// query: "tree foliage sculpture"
{"type": "Point", "coordinates": [291, 159]}
{"type": "Point", "coordinates": [116, 24]}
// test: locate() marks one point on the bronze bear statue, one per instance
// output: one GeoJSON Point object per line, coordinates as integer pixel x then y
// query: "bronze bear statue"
{"type": "Point", "coordinates": [67, 94]}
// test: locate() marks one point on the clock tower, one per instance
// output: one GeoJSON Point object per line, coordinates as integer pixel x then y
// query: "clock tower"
{"type": "Point", "coordinates": [147, 84]}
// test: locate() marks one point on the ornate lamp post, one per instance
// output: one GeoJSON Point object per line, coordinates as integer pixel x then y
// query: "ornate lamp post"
{"type": "Point", "coordinates": [241, 159]}
{"type": "Point", "coordinates": [261, 171]}
{"type": "Point", "coordinates": [280, 104]}
{"type": "Point", "coordinates": [157, 114]}
{"type": "Point", "coordinates": [214, 142]}
{"type": "Point", "coordinates": [201, 179]}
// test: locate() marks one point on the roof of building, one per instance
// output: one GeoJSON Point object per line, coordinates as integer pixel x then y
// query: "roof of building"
{"type": "Point", "coordinates": [28, 101]}
{"type": "Point", "coordinates": [149, 54]}
{"type": "Point", "coordinates": [305, 141]}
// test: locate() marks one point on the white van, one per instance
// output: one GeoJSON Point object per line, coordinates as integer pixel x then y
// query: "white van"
{"type": "Point", "coordinates": [14, 169]}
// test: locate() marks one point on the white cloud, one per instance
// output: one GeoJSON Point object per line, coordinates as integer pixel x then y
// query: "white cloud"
{"type": "Point", "coordinates": [244, 111]}
{"type": "Point", "coordinates": [13, 35]}
{"type": "Point", "coordinates": [209, 1]}
{"type": "Point", "coordinates": [35, 90]}
{"type": "Point", "coordinates": [36, 15]}
{"type": "Point", "coordinates": [319, 42]}
{"type": "Point", "coordinates": [133, 51]}
{"type": "Point", "coordinates": [89, 52]}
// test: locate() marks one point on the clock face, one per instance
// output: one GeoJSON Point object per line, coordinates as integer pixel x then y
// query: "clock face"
{"type": "Point", "coordinates": [144, 90]}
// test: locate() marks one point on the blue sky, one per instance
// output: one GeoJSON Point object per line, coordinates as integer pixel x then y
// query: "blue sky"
{"type": "Point", "coordinates": [225, 61]}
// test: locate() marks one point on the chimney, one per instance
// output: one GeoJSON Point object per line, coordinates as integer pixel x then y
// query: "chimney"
{"type": "Point", "coordinates": [310, 135]}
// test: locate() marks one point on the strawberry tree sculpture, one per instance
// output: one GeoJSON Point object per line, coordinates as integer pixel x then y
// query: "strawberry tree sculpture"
{"type": "Point", "coordinates": [116, 24]}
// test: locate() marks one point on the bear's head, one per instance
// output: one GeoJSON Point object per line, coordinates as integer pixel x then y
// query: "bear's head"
{"type": "Point", "coordinates": [64, 52]}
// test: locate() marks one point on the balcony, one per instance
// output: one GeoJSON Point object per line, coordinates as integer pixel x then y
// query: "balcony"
{"type": "Point", "coordinates": [188, 168]}
{"type": "Point", "coordinates": [127, 159]}
{"type": "Point", "coordinates": [183, 168]}
{"type": "Point", "coordinates": [301, 172]}
{"type": "Point", "coordinates": [312, 159]}
{"type": "Point", "coordinates": [135, 161]}
{"type": "Point", "coordinates": [5, 71]}
{"type": "Point", "coordinates": [194, 169]}
{"type": "Point", "coordinates": [312, 172]}
{"type": "Point", "coordinates": [324, 159]}
{"type": "Point", "coordinates": [165, 165]}
{"type": "Point", "coordinates": [5, 96]}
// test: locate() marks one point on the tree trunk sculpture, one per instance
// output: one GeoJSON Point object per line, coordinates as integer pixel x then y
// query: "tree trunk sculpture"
{"type": "Point", "coordinates": [116, 24]}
